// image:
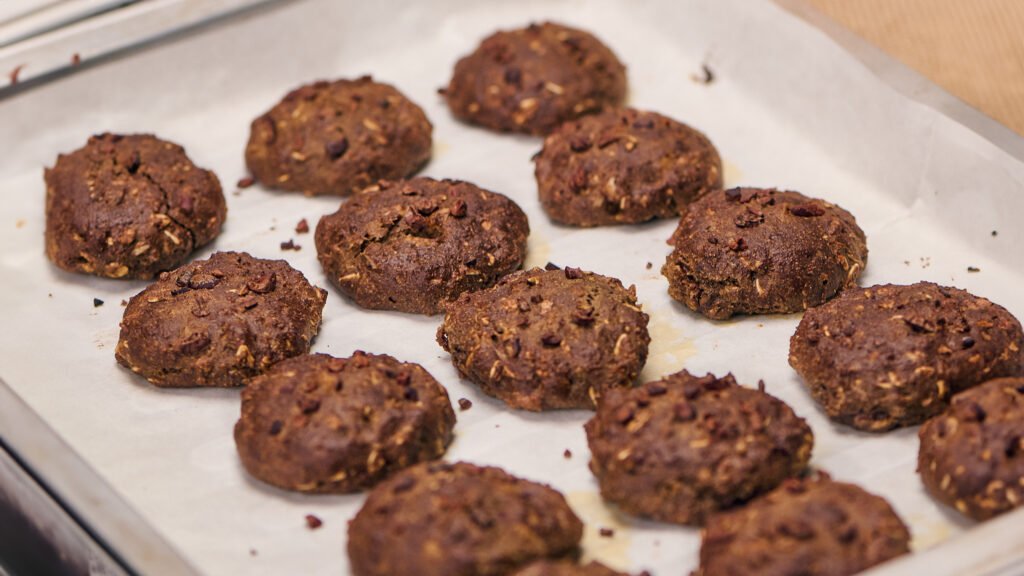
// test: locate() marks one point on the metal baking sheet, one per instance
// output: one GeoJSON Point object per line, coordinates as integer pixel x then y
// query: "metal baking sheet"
{"type": "Point", "coordinates": [788, 107]}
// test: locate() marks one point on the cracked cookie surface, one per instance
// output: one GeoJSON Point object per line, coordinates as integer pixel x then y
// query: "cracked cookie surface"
{"type": "Point", "coordinates": [219, 321]}
{"type": "Point", "coordinates": [887, 356]}
{"type": "Point", "coordinates": [417, 244]}
{"type": "Point", "coordinates": [338, 138]}
{"type": "Point", "coordinates": [971, 457]}
{"type": "Point", "coordinates": [316, 423]}
{"type": "Point", "coordinates": [810, 526]}
{"type": "Point", "coordinates": [544, 339]}
{"type": "Point", "coordinates": [129, 206]}
{"type": "Point", "coordinates": [532, 79]}
{"type": "Point", "coordinates": [440, 519]}
{"type": "Point", "coordinates": [624, 166]}
{"type": "Point", "coordinates": [684, 447]}
{"type": "Point", "coordinates": [762, 251]}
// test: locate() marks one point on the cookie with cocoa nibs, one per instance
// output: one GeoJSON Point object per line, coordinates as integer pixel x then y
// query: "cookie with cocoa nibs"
{"type": "Point", "coordinates": [544, 339]}
{"type": "Point", "coordinates": [439, 519]}
{"type": "Point", "coordinates": [218, 322]}
{"type": "Point", "coordinates": [532, 79]}
{"type": "Point", "coordinates": [971, 457]}
{"type": "Point", "coordinates": [570, 568]}
{"type": "Point", "coordinates": [129, 206]}
{"type": "Point", "coordinates": [316, 423]}
{"type": "Point", "coordinates": [624, 166]}
{"type": "Point", "coordinates": [415, 245]}
{"type": "Point", "coordinates": [338, 137]}
{"type": "Point", "coordinates": [762, 251]}
{"type": "Point", "coordinates": [811, 526]}
{"type": "Point", "coordinates": [887, 356]}
{"type": "Point", "coordinates": [684, 447]}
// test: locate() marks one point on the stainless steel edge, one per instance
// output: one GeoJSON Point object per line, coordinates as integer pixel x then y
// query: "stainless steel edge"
{"type": "Point", "coordinates": [87, 500]}
{"type": "Point", "coordinates": [908, 81]}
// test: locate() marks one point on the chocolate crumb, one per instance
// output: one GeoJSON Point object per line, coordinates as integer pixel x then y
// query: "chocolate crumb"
{"type": "Point", "coordinates": [312, 522]}
{"type": "Point", "coordinates": [253, 552]}
{"type": "Point", "coordinates": [290, 245]}
{"type": "Point", "coordinates": [995, 233]}
{"type": "Point", "coordinates": [465, 404]}
{"type": "Point", "coordinates": [707, 75]}
{"type": "Point", "coordinates": [302, 227]}
{"type": "Point", "coordinates": [96, 302]}
{"type": "Point", "coordinates": [606, 532]}
{"type": "Point", "coordinates": [973, 269]}
{"type": "Point", "coordinates": [649, 266]}
{"type": "Point", "coordinates": [13, 75]}
{"type": "Point", "coordinates": [76, 59]}
{"type": "Point", "coordinates": [124, 302]}
{"type": "Point", "coordinates": [246, 182]}
{"type": "Point", "coordinates": [567, 454]}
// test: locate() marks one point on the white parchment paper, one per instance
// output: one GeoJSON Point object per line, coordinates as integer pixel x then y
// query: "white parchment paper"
{"type": "Point", "coordinates": [787, 108]}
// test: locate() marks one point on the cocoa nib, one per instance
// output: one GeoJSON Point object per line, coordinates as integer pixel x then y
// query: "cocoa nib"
{"type": "Point", "coordinates": [290, 245]}
{"type": "Point", "coordinates": [302, 227]}
{"type": "Point", "coordinates": [808, 210]}
{"type": "Point", "coordinates": [465, 404]}
{"type": "Point", "coordinates": [573, 273]}
{"type": "Point", "coordinates": [337, 148]}
{"type": "Point", "coordinates": [458, 209]}
{"type": "Point", "coordinates": [606, 532]}
{"type": "Point", "coordinates": [246, 182]}
{"type": "Point", "coordinates": [312, 522]}
{"type": "Point", "coordinates": [551, 339]}
{"type": "Point", "coordinates": [738, 245]}
{"type": "Point", "coordinates": [264, 283]}
{"type": "Point", "coordinates": [96, 302]}
{"type": "Point", "coordinates": [579, 144]}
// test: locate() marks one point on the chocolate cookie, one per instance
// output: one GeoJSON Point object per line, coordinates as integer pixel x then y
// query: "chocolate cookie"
{"type": "Point", "coordinates": [624, 166]}
{"type": "Point", "coordinates": [219, 321]}
{"type": "Point", "coordinates": [569, 568]}
{"type": "Point", "coordinates": [684, 447]}
{"type": "Point", "coordinates": [532, 79]}
{"type": "Point", "coordinates": [810, 527]}
{"type": "Point", "coordinates": [438, 519]}
{"type": "Point", "coordinates": [315, 423]}
{"type": "Point", "coordinates": [757, 251]}
{"type": "Point", "coordinates": [972, 457]}
{"type": "Point", "coordinates": [338, 138]}
{"type": "Point", "coordinates": [546, 339]}
{"type": "Point", "coordinates": [887, 356]}
{"type": "Point", "coordinates": [415, 245]}
{"type": "Point", "coordinates": [129, 207]}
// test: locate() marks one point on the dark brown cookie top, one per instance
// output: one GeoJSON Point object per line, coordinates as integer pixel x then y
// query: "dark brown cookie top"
{"type": "Point", "coordinates": [415, 245]}
{"type": "Point", "coordinates": [683, 447]}
{"type": "Point", "coordinates": [810, 527]}
{"type": "Point", "coordinates": [315, 423]}
{"type": "Point", "coordinates": [887, 356]}
{"type": "Point", "coordinates": [547, 339]}
{"type": "Point", "coordinates": [532, 79]}
{"type": "Point", "coordinates": [569, 568]}
{"type": "Point", "coordinates": [129, 206]}
{"type": "Point", "coordinates": [219, 321]}
{"type": "Point", "coordinates": [438, 519]}
{"type": "Point", "coordinates": [338, 138]}
{"type": "Point", "coordinates": [972, 456]}
{"type": "Point", "coordinates": [624, 166]}
{"type": "Point", "coordinates": [762, 251]}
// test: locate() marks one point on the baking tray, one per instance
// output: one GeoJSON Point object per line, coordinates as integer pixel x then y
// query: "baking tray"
{"type": "Point", "coordinates": [790, 105]}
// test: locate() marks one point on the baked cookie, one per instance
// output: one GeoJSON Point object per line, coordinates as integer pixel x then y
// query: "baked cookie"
{"type": "Point", "coordinates": [624, 166]}
{"type": "Point", "coordinates": [338, 138]}
{"type": "Point", "coordinates": [811, 526]}
{"type": "Point", "coordinates": [972, 456]}
{"type": "Point", "coordinates": [219, 321]}
{"type": "Point", "coordinates": [315, 423]}
{"type": "Point", "coordinates": [438, 519]}
{"type": "Point", "coordinates": [547, 339]}
{"type": "Point", "coordinates": [758, 251]}
{"type": "Point", "coordinates": [129, 207]}
{"type": "Point", "coordinates": [415, 245]}
{"type": "Point", "coordinates": [888, 356]}
{"type": "Point", "coordinates": [532, 79]}
{"type": "Point", "coordinates": [683, 447]}
{"type": "Point", "coordinates": [569, 568]}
